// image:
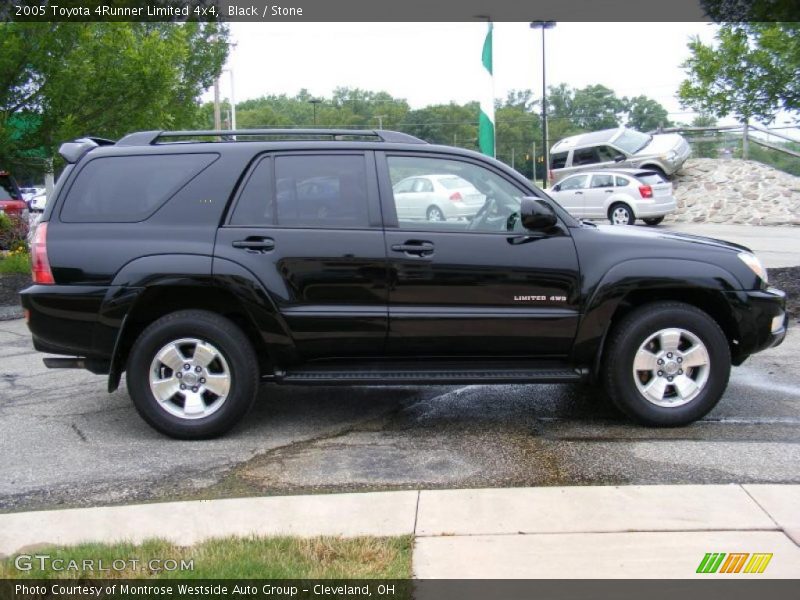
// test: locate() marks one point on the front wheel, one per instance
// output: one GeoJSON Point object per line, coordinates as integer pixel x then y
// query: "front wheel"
{"type": "Point", "coordinates": [667, 364]}
{"type": "Point", "coordinates": [621, 214]}
{"type": "Point", "coordinates": [653, 221]}
{"type": "Point", "coordinates": [192, 374]}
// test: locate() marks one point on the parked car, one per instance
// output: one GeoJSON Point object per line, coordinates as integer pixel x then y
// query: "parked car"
{"type": "Point", "coordinates": [169, 258]}
{"type": "Point", "coordinates": [619, 195]}
{"type": "Point", "coordinates": [11, 202]}
{"type": "Point", "coordinates": [38, 202]}
{"type": "Point", "coordinates": [614, 148]}
{"type": "Point", "coordinates": [436, 197]}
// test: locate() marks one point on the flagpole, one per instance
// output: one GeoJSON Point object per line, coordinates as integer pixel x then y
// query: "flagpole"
{"type": "Point", "coordinates": [486, 125]}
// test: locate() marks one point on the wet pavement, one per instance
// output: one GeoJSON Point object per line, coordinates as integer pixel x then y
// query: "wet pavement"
{"type": "Point", "coordinates": [65, 442]}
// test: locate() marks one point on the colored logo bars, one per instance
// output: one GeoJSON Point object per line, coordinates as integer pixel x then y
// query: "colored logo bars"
{"type": "Point", "coordinates": [734, 562]}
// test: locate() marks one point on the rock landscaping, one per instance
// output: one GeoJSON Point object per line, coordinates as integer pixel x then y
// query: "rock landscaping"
{"type": "Point", "coordinates": [735, 191]}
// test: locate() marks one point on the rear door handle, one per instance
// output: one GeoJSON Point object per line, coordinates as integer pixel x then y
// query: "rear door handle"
{"type": "Point", "coordinates": [255, 244]}
{"type": "Point", "coordinates": [579, 193]}
{"type": "Point", "coordinates": [609, 191]}
{"type": "Point", "coordinates": [414, 247]}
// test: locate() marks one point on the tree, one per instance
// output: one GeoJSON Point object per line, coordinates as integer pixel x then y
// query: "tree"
{"type": "Point", "coordinates": [596, 107]}
{"type": "Point", "coordinates": [751, 72]}
{"type": "Point", "coordinates": [645, 114]}
{"type": "Point", "coordinates": [65, 80]}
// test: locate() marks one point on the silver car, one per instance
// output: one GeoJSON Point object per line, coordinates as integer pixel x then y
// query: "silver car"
{"type": "Point", "coordinates": [621, 147]}
{"type": "Point", "coordinates": [620, 195]}
{"type": "Point", "coordinates": [436, 197]}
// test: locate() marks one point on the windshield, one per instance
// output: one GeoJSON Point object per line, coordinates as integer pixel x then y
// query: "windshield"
{"type": "Point", "coordinates": [8, 191]}
{"type": "Point", "coordinates": [632, 141]}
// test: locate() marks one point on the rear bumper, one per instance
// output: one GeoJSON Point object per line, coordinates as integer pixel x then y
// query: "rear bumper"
{"type": "Point", "coordinates": [761, 318]}
{"type": "Point", "coordinates": [658, 207]}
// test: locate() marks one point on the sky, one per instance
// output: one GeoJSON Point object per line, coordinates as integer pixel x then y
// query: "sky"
{"type": "Point", "coordinates": [433, 63]}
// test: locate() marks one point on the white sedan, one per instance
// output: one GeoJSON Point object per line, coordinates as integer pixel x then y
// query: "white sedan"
{"type": "Point", "coordinates": [436, 197]}
{"type": "Point", "coordinates": [619, 195]}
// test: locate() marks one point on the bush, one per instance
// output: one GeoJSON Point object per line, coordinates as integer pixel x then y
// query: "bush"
{"type": "Point", "coordinates": [16, 261]}
{"type": "Point", "coordinates": [13, 232]}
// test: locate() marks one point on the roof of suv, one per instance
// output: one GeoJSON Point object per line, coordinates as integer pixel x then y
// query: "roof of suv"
{"type": "Point", "coordinates": [585, 139]}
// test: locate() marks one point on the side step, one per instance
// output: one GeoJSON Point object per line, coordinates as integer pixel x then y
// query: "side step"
{"type": "Point", "coordinates": [405, 376]}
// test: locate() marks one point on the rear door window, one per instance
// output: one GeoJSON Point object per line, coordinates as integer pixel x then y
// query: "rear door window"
{"type": "Point", "coordinates": [602, 181]}
{"type": "Point", "coordinates": [585, 156]}
{"type": "Point", "coordinates": [126, 189]}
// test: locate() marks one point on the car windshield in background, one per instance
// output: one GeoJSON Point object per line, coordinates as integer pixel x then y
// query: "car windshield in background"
{"type": "Point", "coordinates": [632, 141]}
{"type": "Point", "coordinates": [8, 191]}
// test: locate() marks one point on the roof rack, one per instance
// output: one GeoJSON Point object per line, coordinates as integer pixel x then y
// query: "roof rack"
{"type": "Point", "coordinates": [147, 138]}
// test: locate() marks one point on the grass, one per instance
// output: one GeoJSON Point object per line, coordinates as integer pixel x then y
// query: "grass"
{"type": "Point", "coordinates": [17, 261]}
{"type": "Point", "coordinates": [233, 558]}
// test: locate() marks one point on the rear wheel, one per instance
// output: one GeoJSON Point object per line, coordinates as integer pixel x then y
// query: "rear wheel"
{"type": "Point", "coordinates": [435, 214]}
{"type": "Point", "coordinates": [667, 364]}
{"type": "Point", "coordinates": [621, 214]}
{"type": "Point", "coordinates": [192, 374]}
{"type": "Point", "coordinates": [652, 221]}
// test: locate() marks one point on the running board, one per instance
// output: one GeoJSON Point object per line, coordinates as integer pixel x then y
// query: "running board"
{"type": "Point", "coordinates": [388, 376]}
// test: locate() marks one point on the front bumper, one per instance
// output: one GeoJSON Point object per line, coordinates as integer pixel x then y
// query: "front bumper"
{"type": "Point", "coordinates": [761, 319]}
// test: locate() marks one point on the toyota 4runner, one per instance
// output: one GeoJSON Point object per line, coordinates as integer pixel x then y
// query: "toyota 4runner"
{"type": "Point", "coordinates": [202, 263]}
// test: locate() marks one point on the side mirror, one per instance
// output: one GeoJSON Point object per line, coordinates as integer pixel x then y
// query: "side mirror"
{"type": "Point", "coordinates": [557, 187]}
{"type": "Point", "coordinates": [619, 158]}
{"type": "Point", "coordinates": [536, 214]}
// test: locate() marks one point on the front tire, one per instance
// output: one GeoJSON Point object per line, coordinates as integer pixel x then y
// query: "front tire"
{"type": "Point", "coordinates": [667, 364]}
{"type": "Point", "coordinates": [653, 221]}
{"type": "Point", "coordinates": [621, 214]}
{"type": "Point", "coordinates": [192, 374]}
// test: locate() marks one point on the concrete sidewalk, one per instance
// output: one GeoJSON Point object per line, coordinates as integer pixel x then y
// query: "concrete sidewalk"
{"type": "Point", "coordinates": [555, 532]}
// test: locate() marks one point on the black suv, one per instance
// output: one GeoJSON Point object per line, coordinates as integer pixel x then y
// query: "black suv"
{"type": "Point", "coordinates": [203, 263]}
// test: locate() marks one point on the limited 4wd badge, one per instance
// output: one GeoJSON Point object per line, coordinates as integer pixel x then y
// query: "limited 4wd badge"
{"type": "Point", "coordinates": [540, 298]}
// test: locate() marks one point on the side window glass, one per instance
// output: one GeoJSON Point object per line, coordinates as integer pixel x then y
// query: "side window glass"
{"type": "Point", "coordinates": [321, 191]}
{"type": "Point", "coordinates": [255, 205]}
{"type": "Point", "coordinates": [602, 181]}
{"type": "Point", "coordinates": [574, 183]}
{"type": "Point", "coordinates": [621, 182]}
{"type": "Point", "coordinates": [460, 196]}
{"type": "Point", "coordinates": [584, 156]}
{"type": "Point", "coordinates": [607, 153]}
{"type": "Point", "coordinates": [558, 160]}
{"type": "Point", "coordinates": [405, 186]}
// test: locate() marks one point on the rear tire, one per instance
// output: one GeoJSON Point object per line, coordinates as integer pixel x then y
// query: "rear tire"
{"type": "Point", "coordinates": [653, 221]}
{"type": "Point", "coordinates": [208, 397]}
{"type": "Point", "coordinates": [621, 214]}
{"type": "Point", "coordinates": [694, 368]}
{"type": "Point", "coordinates": [435, 214]}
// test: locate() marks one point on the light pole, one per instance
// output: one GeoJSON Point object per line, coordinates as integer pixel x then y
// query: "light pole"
{"type": "Point", "coordinates": [544, 25]}
{"type": "Point", "coordinates": [314, 102]}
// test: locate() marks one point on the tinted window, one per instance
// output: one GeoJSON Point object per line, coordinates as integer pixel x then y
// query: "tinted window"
{"type": "Point", "coordinates": [622, 182]}
{"type": "Point", "coordinates": [558, 160]}
{"type": "Point", "coordinates": [255, 206]}
{"type": "Point", "coordinates": [602, 181]}
{"type": "Point", "coordinates": [321, 191]}
{"type": "Point", "coordinates": [573, 183]}
{"type": "Point", "coordinates": [483, 201]}
{"type": "Point", "coordinates": [650, 178]}
{"type": "Point", "coordinates": [584, 156]}
{"type": "Point", "coordinates": [8, 189]}
{"type": "Point", "coordinates": [124, 189]}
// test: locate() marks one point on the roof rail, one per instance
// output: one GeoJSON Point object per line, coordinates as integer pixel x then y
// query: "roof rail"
{"type": "Point", "coordinates": [146, 138]}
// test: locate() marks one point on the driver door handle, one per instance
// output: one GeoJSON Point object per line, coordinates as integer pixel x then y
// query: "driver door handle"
{"type": "Point", "coordinates": [609, 191]}
{"type": "Point", "coordinates": [255, 244]}
{"type": "Point", "coordinates": [579, 193]}
{"type": "Point", "coordinates": [414, 247]}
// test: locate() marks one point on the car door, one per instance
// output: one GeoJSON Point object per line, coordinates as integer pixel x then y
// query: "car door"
{"type": "Point", "coordinates": [570, 193]}
{"type": "Point", "coordinates": [307, 225]}
{"type": "Point", "coordinates": [480, 287]}
{"type": "Point", "coordinates": [601, 188]}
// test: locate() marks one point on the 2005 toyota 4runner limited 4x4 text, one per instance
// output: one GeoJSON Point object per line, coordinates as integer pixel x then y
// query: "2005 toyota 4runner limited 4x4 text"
{"type": "Point", "coordinates": [203, 263]}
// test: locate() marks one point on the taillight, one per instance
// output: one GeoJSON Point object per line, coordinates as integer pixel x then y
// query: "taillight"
{"type": "Point", "coordinates": [456, 197]}
{"type": "Point", "coordinates": [40, 266]}
{"type": "Point", "coordinates": [646, 191]}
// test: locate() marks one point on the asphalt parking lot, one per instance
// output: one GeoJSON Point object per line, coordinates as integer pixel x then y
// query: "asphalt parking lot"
{"type": "Point", "coordinates": [65, 442]}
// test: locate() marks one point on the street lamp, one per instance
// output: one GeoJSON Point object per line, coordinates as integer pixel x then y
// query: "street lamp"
{"type": "Point", "coordinates": [314, 102]}
{"type": "Point", "coordinates": [544, 25]}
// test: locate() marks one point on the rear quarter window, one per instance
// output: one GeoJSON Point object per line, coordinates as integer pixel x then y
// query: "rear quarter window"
{"type": "Point", "coordinates": [558, 160]}
{"type": "Point", "coordinates": [126, 189]}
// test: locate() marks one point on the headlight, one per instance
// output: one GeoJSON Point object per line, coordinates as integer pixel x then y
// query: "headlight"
{"type": "Point", "coordinates": [755, 265]}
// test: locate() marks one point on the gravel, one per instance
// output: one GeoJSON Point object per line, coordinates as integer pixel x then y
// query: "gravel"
{"type": "Point", "coordinates": [788, 280]}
